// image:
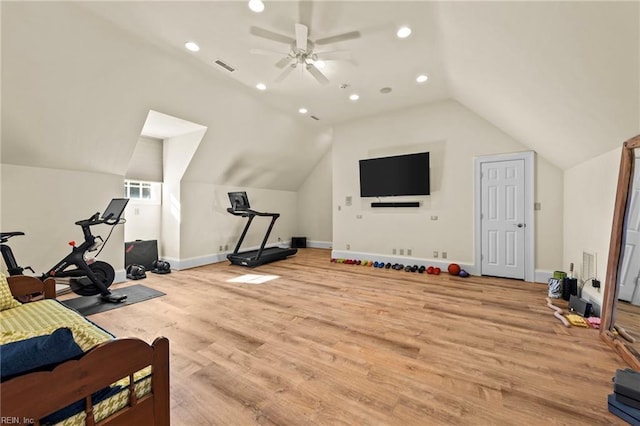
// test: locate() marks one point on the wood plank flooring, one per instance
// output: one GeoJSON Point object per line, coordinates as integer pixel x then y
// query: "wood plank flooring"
{"type": "Point", "coordinates": [336, 344]}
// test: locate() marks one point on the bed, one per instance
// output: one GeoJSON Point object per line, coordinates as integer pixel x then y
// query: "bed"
{"type": "Point", "coordinates": [109, 381]}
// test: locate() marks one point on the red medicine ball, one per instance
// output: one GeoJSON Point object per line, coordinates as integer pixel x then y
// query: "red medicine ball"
{"type": "Point", "coordinates": [454, 269]}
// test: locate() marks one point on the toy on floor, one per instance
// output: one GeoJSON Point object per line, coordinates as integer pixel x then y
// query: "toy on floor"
{"type": "Point", "coordinates": [577, 320]}
{"type": "Point", "coordinates": [557, 312]}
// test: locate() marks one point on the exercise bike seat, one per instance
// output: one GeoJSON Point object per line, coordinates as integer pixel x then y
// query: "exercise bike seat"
{"type": "Point", "coordinates": [4, 236]}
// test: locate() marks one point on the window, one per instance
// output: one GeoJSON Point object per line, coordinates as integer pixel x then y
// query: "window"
{"type": "Point", "coordinates": [144, 192]}
{"type": "Point", "coordinates": [137, 190]}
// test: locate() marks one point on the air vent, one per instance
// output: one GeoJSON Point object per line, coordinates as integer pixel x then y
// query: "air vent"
{"type": "Point", "coordinates": [224, 65]}
{"type": "Point", "coordinates": [314, 117]}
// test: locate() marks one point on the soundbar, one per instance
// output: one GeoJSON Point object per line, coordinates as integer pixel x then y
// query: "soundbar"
{"type": "Point", "coordinates": [397, 204]}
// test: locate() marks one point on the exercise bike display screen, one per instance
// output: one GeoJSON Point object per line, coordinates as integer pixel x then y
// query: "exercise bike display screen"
{"type": "Point", "coordinates": [239, 200]}
{"type": "Point", "coordinates": [115, 209]}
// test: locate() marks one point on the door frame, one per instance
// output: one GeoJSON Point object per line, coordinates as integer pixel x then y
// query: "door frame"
{"type": "Point", "coordinates": [529, 191]}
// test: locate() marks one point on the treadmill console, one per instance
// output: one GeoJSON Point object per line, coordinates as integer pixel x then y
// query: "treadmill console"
{"type": "Point", "coordinates": [239, 201]}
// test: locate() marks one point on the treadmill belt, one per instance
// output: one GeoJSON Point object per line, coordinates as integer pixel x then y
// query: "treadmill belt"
{"type": "Point", "coordinates": [270, 254]}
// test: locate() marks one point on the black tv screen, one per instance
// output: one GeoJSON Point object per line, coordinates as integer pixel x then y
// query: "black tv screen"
{"type": "Point", "coordinates": [393, 176]}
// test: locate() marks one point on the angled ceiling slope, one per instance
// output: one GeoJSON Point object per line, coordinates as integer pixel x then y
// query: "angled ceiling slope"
{"type": "Point", "coordinates": [561, 77]}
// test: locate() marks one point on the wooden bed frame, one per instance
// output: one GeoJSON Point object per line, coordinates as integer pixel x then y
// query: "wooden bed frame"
{"type": "Point", "coordinates": [30, 397]}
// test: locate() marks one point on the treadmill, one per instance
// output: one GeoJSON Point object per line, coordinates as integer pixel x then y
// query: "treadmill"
{"type": "Point", "coordinates": [251, 258]}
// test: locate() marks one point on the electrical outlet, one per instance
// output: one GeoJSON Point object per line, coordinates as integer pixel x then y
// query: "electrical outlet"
{"type": "Point", "coordinates": [434, 217]}
{"type": "Point", "coordinates": [279, 239]}
{"type": "Point", "coordinates": [435, 254]}
{"type": "Point", "coordinates": [444, 254]}
{"type": "Point", "coordinates": [220, 248]}
{"type": "Point", "coordinates": [226, 246]}
{"type": "Point", "coordinates": [409, 251]}
{"type": "Point", "coordinates": [348, 246]}
{"type": "Point", "coordinates": [347, 200]}
{"type": "Point", "coordinates": [401, 252]}
{"type": "Point", "coordinates": [393, 251]}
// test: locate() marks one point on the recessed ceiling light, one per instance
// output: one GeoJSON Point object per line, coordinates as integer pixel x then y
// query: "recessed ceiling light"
{"type": "Point", "coordinates": [256, 5]}
{"type": "Point", "coordinates": [422, 78]}
{"type": "Point", "coordinates": [302, 110]}
{"type": "Point", "coordinates": [319, 64]}
{"type": "Point", "coordinates": [261, 86]}
{"type": "Point", "coordinates": [354, 97]}
{"type": "Point", "coordinates": [192, 46]}
{"type": "Point", "coordinates": [404, 32]}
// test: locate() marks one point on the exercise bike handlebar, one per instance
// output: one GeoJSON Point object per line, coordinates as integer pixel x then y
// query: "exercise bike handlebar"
{"type": "Point", "coordinates": [95, 220]}
{"type": "Point", "coordinates": [4, 236]}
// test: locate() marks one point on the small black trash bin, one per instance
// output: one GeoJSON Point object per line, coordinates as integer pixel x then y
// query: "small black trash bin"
{"type": "Point", "coordinates": [298, 242]}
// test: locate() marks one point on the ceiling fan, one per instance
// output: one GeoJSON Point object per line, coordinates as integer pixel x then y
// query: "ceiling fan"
{"type": "Point", "coordinates": [302, 53]}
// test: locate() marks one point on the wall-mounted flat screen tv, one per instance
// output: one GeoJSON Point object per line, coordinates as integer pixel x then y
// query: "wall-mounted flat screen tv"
{"type": "Point", "coordinates": [394, 176]}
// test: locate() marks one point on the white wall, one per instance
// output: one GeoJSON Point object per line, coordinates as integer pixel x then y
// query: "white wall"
{"type": "Point", "coordinates": [45, 204]}
{"type": "Point", "coordinates": [144, 217]}
{"type": "Point", "coordinates": [454, 136]}
{"type": "Point", "coordinates": [143, 221]}
{"type": "Point", "coordinates": [590, 192]}
{"type": "Point", "coordinates": [315, 200]}
{"type": "Point", "coordinates": [146, 162]}
{"type": "Point", "coordinates": [177, 154]}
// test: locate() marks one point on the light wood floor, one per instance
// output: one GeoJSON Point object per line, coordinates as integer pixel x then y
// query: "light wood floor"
{"type": "Point", "coordinates": [335, 344]}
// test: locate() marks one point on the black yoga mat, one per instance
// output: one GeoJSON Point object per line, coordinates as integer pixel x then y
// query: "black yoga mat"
{"type": "Point", "coordinates": [89, 305]}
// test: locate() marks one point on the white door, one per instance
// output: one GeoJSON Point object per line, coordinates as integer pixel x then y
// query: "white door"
{"type": "Point", "coordinates": [630, 265]}
{"type": "Point", "coordinates": [503, 219]}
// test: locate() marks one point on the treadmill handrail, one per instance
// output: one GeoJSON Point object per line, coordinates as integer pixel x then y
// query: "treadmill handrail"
{"type": "Point", "coordinates": [249, 212]}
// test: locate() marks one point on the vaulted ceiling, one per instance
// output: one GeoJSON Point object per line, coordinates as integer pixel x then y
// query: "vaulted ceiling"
{"type": "Point", "coordinates": [560, 77]}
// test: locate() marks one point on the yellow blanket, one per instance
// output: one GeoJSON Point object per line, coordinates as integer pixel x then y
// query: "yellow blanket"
{"type": "Point", "coordinates": [44, 317]}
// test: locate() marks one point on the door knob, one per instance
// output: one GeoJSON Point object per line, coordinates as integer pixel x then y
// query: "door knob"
{"type": "Point", "coordinates": [520, 225]}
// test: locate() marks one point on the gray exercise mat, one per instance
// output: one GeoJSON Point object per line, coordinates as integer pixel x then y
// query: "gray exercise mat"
{"type": "Point", "coordinates": [89, 305]}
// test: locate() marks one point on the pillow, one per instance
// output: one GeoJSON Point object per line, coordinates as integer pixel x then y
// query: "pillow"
{"type": "Point", "coordinates": [6, 298]}
{"type": "Point", "coordinates": [37, 353]}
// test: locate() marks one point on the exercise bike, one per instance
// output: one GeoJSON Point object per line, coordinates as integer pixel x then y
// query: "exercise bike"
{"type": "Point", "coordinates": [86, 277]}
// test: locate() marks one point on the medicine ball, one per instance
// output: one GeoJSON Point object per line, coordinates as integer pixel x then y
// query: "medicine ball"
{"type": "Point", "coordinates": [454, 269]}
{"type": "Point", "coordinates": [136, 272]}
{"type": "Point", "coordinates": [161, 267]}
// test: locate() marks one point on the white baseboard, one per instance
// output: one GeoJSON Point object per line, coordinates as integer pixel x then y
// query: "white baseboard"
{"type": "Point", "coordinates": [320, 244]}
{"type": "Point", "coordinates": [193, 262]}
{"type": "Point", "coordinates": [542, 276]}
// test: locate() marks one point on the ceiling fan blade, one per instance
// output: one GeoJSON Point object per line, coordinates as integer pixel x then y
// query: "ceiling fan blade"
{"type": "Point", "coordinates": [334, 55]}
{"type": "Point", "coordinates": [284, 62]}
{"type": "Point", "coordinates": [270, 35]}
{"type": "Point", "coordinates": [305, 9]}
{"type": "Point", "coordinates": [339, 37]}
{"type": "Point", "coordinates": [267, 52]}
{"type": "Point", "coordinates": [317, 74]}
{"type": "Point", "coordinates": [285, 73]}
{"type": "Point", "coordinates": [302, 32]}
